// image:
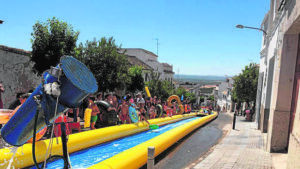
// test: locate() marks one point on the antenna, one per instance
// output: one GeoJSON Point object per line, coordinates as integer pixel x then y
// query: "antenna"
{"type": "Point", "coordinates": [157, 46]}
{"type": "Point", "coordinates": [178, 75]}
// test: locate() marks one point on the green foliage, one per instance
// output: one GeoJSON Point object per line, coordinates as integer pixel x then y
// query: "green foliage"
{"type": "Point", "coordinates": [202, 99]}
{"type": "Point", "coordinates": [245, 84]}
{"type": "Point", "coordinates": [191, 96]}
{"type": "Point", "coordinates": [161, 89]}
{"type": "Point", "coordinates": [135, 79]}
{"type": "Point", "coordinates": [109, 66]}
{"type": "Point", "coordinates": [50, 41]}
{"type": "Point", "coordinates": [182, 91]}
{"type": "Point", "coordinates": [212, 98]}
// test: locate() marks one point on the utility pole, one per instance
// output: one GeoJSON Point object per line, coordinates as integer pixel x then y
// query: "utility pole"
{"type": "Point", "coordinates": [178, 75]}
{"type": "Point", "coordinates": [157, 46]}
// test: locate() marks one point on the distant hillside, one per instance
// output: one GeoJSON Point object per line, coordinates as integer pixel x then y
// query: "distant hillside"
{"type": "Point", "coordinates": [199, 78]}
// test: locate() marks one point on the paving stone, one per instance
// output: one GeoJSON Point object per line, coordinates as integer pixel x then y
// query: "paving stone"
{"type": "Point", "coordinates": [241, 149]}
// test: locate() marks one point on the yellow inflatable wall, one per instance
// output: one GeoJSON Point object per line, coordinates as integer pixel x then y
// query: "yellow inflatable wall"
{"type": "Point", "coordinates": [138, 154]}
{"type": "Point", "coordinates": [79, 141]}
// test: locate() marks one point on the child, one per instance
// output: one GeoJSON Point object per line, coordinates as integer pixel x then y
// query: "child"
{"type": "Point", "coordinates": [173, 107]}
{"type": "Point", "coordinates": [124, 113]}
{"type": "Point", "coordinates": [142, 111]}
{"type": "Point", "coordinates": [152, 112]}
{"type": "Point", "coordinates": [167, 110]}
{"type": "Point", "coordinates": [95, 112]}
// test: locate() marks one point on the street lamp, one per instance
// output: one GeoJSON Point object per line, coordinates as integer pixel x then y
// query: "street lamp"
{"type": "Point", "coordinates": [1, 22]}
{"type": "Point", "coordinates": [242, 27]}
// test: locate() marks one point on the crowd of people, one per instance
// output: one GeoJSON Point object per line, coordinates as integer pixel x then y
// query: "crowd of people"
{"type": "Point", "coordinates": [145, 107]}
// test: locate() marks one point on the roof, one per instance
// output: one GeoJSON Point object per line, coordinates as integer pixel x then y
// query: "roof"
{"type": "Point", "coordinates": [135, 61]}
{"type": "Point", "coordinates": [166, 64]}
{"type": "Point", "coordinates": [15, 50]}
{"type": "Point", "coordinates": [206, 90]}
{"type": "Point", "coordinates": [208, 86]}
{"type": "Point", "coordinates": [146, 51]}
{"type": "Point", "coordinates": [168, 71]}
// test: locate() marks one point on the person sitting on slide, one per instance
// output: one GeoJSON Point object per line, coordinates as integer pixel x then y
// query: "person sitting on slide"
{"type": "Point", "coordinates": [124, 113]}
{"type": "Point", "coordinates": [95, 111]}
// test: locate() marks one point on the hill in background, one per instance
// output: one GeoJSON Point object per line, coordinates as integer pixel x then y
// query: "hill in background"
{"type": "Point", "coordinates": [199, 79]}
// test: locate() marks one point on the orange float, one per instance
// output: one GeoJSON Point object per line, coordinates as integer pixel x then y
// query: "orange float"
{"type": "Point", "coordinates": [180, 106]}
{"type": "Point", "coordinates": [5, 115]}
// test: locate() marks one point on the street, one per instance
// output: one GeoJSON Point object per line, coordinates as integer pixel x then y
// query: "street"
{"type": "Point", "coordinates": [190, 149]}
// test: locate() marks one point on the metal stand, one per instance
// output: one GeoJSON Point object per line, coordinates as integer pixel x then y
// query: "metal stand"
{"type": "Point", "coordinates": [234, 119]}
{"type": "Point", "coordinates": [64, 141]}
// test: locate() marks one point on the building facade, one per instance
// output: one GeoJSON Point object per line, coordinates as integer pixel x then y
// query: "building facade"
{"type": "Point", "coordinates": [278, 108]}
{"type": "Point", "coordinates": [164, 69]}
{"type": "Point", "coordinates": [224, 95]}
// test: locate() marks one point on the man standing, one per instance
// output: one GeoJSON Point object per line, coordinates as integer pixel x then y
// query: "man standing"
{"type": "Point", "coordinates": [1, 91]}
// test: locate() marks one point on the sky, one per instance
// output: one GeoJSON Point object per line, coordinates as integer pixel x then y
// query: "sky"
{"type": "Point", "coordinates": [197, 37]}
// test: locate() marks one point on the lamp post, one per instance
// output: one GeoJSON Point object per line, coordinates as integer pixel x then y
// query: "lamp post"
{"type": "Point", "coordinates": [242, 27]}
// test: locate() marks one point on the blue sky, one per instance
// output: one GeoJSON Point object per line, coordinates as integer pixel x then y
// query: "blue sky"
{"type": "Point", "coordinates": [198, 37]}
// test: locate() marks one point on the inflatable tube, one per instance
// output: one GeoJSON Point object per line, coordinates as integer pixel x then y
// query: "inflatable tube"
{"type": "Point", "coordinates": [87, 117]}
{"type": "Point", "coordinates": [180, 106]}
{"type": "Point", "coordinates": [132, 114]}
{"type": "Point", "coordinates": [80, 141]}
{"type": "Point", "coordinates": [5, 115]}
{"type": "Point", "coordinates": [159, 110]}
{"type": "Point", "coordinates": [103, 105]}
{"type": "Point", "coordinates": [109, 117]}
{"type": "Point", "coordinates": [138, 154]}
{"type": "Point", "coordinates": [147, 91]}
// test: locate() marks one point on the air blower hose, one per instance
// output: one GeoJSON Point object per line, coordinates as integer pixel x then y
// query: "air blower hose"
{"type": "Point", "coordinates": [33, 142]}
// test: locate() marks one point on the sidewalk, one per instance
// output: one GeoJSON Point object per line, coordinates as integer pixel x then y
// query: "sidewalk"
{"type": "Point", "coordinates": [242, 148]}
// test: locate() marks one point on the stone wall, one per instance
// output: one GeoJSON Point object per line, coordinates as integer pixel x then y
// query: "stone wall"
{"type": "Point", "coordinates": [16, 73]}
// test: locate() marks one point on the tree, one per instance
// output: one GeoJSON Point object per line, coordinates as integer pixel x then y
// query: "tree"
{"type": "Point", "coordinates": [202, 99]}
{"type": "Point", "coordinates": [183, 92]}
{"type": "Point", "coordinates": [191, 96]}
{"type": "Point", "coordinates": [245, 84]}
{"type": "Point", "coordinates": [161, 89]}
{"type": "Point", "coordinates": [135, 79]}
{"type": "Point", "coordinates": [103, 58]}
{"type": "Point", "coordinates": [211, 98]}
{"type": "Point", "coordinates": [50, 41]}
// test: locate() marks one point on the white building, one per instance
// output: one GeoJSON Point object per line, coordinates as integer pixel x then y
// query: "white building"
{"type": "Point", "coordinates": [224, 94]}
{"type": "Point", "coordinates": [164, 69]}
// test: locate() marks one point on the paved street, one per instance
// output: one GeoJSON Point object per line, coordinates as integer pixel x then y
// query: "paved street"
{"type": "Point", "coordinates": [242, 148]}
{"type": "Point", "coordinates": [195, 145]}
